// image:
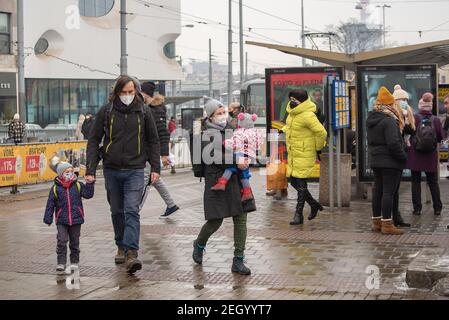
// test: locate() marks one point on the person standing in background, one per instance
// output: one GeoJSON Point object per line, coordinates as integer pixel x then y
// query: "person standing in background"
{"type": "Point", "coordinates": [78, 132]}
{"type": "Point", "coordinates": [16, 130]}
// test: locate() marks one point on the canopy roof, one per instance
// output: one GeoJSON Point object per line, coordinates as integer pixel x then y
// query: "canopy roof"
{"type": "Point", "coordinates": [180, 100]}
{"type": "Point", "coordinates": [424, 53]}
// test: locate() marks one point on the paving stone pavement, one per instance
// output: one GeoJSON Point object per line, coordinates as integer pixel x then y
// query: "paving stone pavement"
{"type": "Point", "coordinates": [326, 258]}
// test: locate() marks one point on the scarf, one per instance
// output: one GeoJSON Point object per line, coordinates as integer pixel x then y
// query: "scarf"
{"type": "Point", "coordinates": [210, 125]}
{"type": "Point", "coordinates": [65, 184]}
{"type": "Point", "coordinates": [390, 111]}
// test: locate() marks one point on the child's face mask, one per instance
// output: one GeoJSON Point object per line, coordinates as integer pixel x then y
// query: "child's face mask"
{"type": "Point", "coordinates": [68, 176]}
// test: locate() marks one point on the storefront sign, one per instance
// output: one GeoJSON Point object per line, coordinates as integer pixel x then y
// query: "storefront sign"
{"type": "Point", "coordinates": [8, 84]}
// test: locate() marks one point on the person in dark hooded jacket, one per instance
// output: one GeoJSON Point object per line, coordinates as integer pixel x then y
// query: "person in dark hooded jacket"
{"type": "Point", "coordinates": [387, 159]}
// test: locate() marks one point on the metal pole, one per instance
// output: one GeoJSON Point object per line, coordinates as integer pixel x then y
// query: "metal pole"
{"type": "Point", "coordinates": [242, 57]}
{"type": "Point", "coordinates": [230, 54]}
{"type": "Point", "coordinates": [173, 84]}
{"type": "Point", "coordinates": [339, 168]}
{"type": "Point", "coordinates": [123, 54]}
{"type": "Point", "coordinates": [384, 23]}
{"type": "Point", "coordinates": [303, 38]}
{"type": "Point", "coordinates": [246, 66]}
{"type": "Point", "coordinates": [211, 91]}
{"type": "Point", "coordinates": [331, 146]}
{"type": "Point", "coordinates": [21, 61]}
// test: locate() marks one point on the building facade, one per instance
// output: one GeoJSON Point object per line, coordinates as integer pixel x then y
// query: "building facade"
{"type": "Point", "coordinates": [8, 60]}
{"type": "Point", "coordinates": [72, 56]}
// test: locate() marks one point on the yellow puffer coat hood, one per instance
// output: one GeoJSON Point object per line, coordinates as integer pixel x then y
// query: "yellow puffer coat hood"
{"type": "Point", "coordinates": [305, 136]}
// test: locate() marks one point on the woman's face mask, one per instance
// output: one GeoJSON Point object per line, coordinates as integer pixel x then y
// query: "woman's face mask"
{"type": "Point", "coordinates": [403, 104]}
{"type": "Point", "coordinates": [293, 103]}
{"type": "Point", "coordinates": [127, 99]}
{"type": "Point", "coordinates": [220, 120]}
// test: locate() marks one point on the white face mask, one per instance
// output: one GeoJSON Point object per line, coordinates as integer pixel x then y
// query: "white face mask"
{"type": "Point", "coordinates": [127, 100]}
{"type": "Point", "coordinates": [403, 104]}
{"type": "Point", "coordinates": [68, 176]}
{"type": "Point", "coordinates": [220, 120]}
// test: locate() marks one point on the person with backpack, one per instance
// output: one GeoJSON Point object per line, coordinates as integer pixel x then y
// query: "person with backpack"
{"type": "Point", "coordinates": [129, 134]}
{"type": "Point", "coordinates": [225, 204]}
{"type": "Point", "coordinates": [423, 155]}
{"type": "Point", "coordinates": [65, 204]}
{"type": "Point", "coordinates": [387, 157]}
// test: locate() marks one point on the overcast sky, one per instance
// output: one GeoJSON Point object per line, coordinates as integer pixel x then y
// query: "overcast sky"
{"type": "Point", "coordinates": [411, 15]}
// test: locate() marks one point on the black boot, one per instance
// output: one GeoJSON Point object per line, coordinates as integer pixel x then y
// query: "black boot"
{"type": "Point", "coordinates": [398, 221]}
{"type": "Point", "coordinates": [314, 210]}
{"type": "Point", "coordinates": [198, 253]}
{"type": "Point", "coordinates": [238, 266]}
{"type": "Point", "coordinates": [298, 218]}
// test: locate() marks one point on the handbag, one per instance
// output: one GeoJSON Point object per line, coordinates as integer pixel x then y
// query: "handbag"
{"type": "Point", "coordinates": [277, 170]}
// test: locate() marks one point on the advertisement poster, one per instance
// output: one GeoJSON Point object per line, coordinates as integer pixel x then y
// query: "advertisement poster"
{"type": "Point", "coordinates": [443, 92]}
{"type": "Point", "coordinates": [29, 164]}
{"type": "Point", "coordinates": [415, 79]}
{"type": "Point", "coordinates": [280, 81]}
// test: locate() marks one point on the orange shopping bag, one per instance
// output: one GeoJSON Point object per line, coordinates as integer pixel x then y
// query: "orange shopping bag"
{"type": "Point", "coordinates": [277, 169]}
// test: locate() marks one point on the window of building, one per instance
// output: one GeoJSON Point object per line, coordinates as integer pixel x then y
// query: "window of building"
{"type": "Point", "coordinates": [41, 46]}
{"type": "Point", "coordinates": [170, 50]}
{"type": "Point", "coordinates": [5, 35]}
{"type": "Point", "coordinates": [95, 8]}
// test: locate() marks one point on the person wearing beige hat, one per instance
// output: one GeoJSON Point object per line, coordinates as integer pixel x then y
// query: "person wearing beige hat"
{"type": "Point", "coordinates": [402, 98]}
{"type": "Point", "coordinates": [387, 159]}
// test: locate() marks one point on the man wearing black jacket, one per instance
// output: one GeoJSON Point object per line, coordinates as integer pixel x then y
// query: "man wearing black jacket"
{"type": "Point", "coordinates": [128, 131]}
{"type": "Point", "coordinates": [160, 116]}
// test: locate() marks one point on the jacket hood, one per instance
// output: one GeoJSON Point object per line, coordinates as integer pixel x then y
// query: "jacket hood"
{"type": "Point", "coordinates": [158, 100]}
{"type": "Point", "coordinates": [374, 118]}
{"type": "Point", "coordinates": [306, 106]}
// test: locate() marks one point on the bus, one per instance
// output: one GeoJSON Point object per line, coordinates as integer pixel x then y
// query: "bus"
{"type": "Point", "coordinates": [252, 96]}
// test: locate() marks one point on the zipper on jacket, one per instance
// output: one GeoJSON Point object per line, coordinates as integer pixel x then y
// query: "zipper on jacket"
{"type": "Point", "coordinates": [123, 144]}
{"type": "Point", "coordinates": [138, 137]}
{"type": "Point", "coordinates": [110, 134]}
{"type": "Point", "coordinates": [70, 208]}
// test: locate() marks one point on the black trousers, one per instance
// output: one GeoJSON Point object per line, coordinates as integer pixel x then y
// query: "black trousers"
{"type": "Point", "coordinates": [386, 183]}
{"type": "Point", "coordinates": [303, 194]}
{"type": "Point", "coordinates": [396, 198]}
{"type": "Point", "coordinates": [66, 233]}
{"type": "Point", "coordinates": [432, 181]}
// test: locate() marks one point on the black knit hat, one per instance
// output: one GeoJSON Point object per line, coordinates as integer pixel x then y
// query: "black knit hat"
{"type": "Point", "coordinates": [148, 88]}
{"type": "Point", "coordinates": [299, 94]}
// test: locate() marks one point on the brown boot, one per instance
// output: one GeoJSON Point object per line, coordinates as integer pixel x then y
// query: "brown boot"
{"type": "Point", "coordinates": [120, 256]}
{"type": "Point", "coordinates": [132, 263]}
{"type": "Point", "coordinates": [377, 224]}
{"type": "Point", "coordinates": [389, 228]}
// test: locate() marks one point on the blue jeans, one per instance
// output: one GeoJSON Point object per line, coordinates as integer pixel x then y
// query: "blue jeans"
{"type": "Point", "coordinates": [124, 191]}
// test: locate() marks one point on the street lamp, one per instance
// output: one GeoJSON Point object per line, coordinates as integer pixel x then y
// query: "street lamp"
{"type": "Point", "coordinates": [383, 9]}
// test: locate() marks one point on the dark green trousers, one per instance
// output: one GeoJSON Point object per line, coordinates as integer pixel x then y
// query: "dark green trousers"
{"type": "Point", "coordinates": [211, 226]}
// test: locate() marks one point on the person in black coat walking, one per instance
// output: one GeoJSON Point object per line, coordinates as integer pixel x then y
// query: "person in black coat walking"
{"type": "Point", "coordinates": [220, 205]}
{"type": "Point", "coordinates": [128, 131]}
{"type": "Point", "coordinates": [156, 103]}
{"type": "Point", "coordinates": [387, 159]}
{"type": "Point", "coordinates": [87, 125]}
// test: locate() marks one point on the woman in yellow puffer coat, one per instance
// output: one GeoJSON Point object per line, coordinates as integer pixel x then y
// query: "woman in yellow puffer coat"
{"type": "Point", "coordinates": [305, 135]}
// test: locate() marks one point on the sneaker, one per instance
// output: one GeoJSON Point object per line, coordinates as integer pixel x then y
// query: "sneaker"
{"type": "Point", "coordinates": [74, 266]}
{"type": "Point", "coordinates": [169, 211]}
{"type": "Point", "coordinates": [60, 268]}
{"type": "Point", "coordinates": [238, 266]}
{"type": "Point", "coordinates": [198, 253]}
{"type": "Point", "coordinates": [437, 212]}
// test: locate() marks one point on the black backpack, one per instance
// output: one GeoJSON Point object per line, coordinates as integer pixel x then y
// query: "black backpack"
{"type": "Point", "coordinates": [425, 139]}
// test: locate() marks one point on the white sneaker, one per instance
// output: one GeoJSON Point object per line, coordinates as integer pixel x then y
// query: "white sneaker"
{"type": "Point", "coordinates": [74, 266]}
{"type": "Point", "coordinates": [60, 268]}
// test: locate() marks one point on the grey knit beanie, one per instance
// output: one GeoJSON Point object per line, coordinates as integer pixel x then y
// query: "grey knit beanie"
{"type": "Point", "coordinates": [61, 167]}
{"type": "Point", "coordinates": [211, 106]}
